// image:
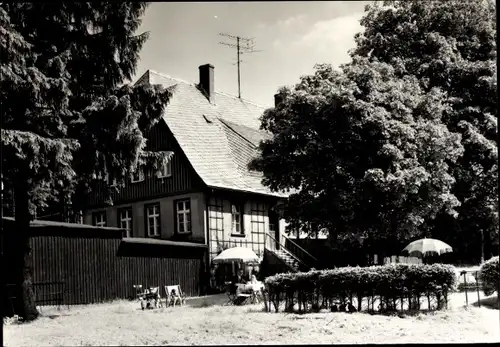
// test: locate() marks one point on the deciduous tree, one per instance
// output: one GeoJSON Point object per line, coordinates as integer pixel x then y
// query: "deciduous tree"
{"type": "Point", "coordinates": [450, 45]}
{"type": "Point", "coordinates": [366, 150]}
{"type": "Point", "coordinates": [400, 142]}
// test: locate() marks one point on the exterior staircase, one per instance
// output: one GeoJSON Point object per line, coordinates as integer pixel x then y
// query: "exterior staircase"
{"type": "Point", "coordinates": [288, 259]}
{"type": "Point", "coordinates": [292, 258]}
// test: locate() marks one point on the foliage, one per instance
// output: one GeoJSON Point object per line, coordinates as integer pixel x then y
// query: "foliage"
{"type": "Point", "coordinates": [450, 45]}
{"type": "Point", "coordinates": [389, 283]}
{"type": "Point", "coordinates": [367, 152]}
{"type": "Point", "coordinates": [489, 276]}
{"type": "Point", "coordinates": [402, 135]}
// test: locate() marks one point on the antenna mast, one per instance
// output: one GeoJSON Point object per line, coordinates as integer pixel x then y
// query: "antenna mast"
{"type": "Point", "coordinates": [243, 45]}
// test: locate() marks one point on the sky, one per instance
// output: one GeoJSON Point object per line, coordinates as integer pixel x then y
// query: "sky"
{"type": "Point", "coordinates": [292, 37]}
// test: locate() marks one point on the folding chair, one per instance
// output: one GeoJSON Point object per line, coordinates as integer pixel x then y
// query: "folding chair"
{"type": "Point", "coordinates": [138, 291]}
{"type": "Point", "coordinates": [151, 295]}
{"type": "Point", "coordinates": [231, 293]}
{"type": "Point", "coordinates": [174, 294]}
{"type": "Point", "coordinates": [235, 296]}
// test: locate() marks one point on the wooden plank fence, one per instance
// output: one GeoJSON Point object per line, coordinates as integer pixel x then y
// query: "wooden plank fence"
{"type": "Point", "coordinates": [96, 265]}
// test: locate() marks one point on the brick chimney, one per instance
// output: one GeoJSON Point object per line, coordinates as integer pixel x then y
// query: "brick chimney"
{"type": "Point", "coordinates": [278, 99]}
{"type": "Point", "coordinates": [207, 81]}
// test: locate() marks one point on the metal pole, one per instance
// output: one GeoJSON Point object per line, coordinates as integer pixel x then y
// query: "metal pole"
{"type": "Point", "coordinates": [238, 56]}
{"type": "Point", "coordinates": [482, 246]}
{"type": "Point", "coordinates": [477, 289]}
{"type": "Point", "coordinates": [465, 287]}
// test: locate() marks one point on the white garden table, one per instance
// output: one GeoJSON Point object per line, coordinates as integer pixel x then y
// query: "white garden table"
{"type": "Point", "coordinates": [253, 288]}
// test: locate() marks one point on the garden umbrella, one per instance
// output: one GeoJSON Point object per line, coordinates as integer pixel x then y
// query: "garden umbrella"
{"type": "Point", "coordinates": [426, 246]}
{"type": "Point", "coordinates": [237, 254]}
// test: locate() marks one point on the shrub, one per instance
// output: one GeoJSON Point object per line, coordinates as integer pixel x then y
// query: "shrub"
{"type": "Point", "coordinates": [489, 275]}
{"type": "Point", "coordinates": [389, 283]}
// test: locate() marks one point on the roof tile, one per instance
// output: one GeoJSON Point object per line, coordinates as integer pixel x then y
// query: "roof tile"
{"type": "Point", "coordinates": [218, 149]}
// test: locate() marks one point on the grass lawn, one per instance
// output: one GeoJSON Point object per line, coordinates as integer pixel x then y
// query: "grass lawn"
{"type": "Point", "coordinates": [205, 321]}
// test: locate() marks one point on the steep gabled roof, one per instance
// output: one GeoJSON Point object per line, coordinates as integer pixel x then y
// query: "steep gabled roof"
{"type": "Point", "coordinates": [219, 138]}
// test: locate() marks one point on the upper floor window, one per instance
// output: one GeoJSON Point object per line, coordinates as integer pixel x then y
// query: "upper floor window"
{"type": "Point", "coordinates": [125, 220]}
{"type": "Point", "coordinates": [153, 220]}
{"type": "Point", "coordinates": [99, 219]}
{"type": "Point", "coordinates": [183, 214]}
{"type": "Point", "coordinates": [111, 181]}
{"type": "Point", "coordinates": [166, 169]}
{"type": "Point", "coordinates": [137, 176]}
{"type": "Point", "coordinates": [236, 219]}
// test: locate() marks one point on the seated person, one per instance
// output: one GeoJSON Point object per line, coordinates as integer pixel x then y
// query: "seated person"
{"type": "Point", "coordinates": [238, 278]}
{"type": "Point", "coordinates": [253, 280]}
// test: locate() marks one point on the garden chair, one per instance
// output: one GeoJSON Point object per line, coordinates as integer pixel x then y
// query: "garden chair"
{"type": "Point", "coordinates": [174, 294]}
{"type": "Point", "coordinates": [231, 293]}
{"type": "Point", "coordinates": [235, 296]}
{"type": "Point", "coordinates": [138, 291]}
{"type": "Point", "coordinates": [151, 296]}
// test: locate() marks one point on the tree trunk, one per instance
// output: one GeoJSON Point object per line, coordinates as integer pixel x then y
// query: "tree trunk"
{"type": "Point", "coordinates": [19, 258]}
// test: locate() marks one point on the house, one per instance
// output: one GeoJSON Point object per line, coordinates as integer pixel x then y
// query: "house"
{"type": "Point", "coordinates": [205, 193]}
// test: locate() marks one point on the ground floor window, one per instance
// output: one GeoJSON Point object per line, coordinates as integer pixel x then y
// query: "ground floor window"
{"type": "Point", "coordinates": [125, 220]}
{"type": "Point", "coordinates": [258, 225]}
{"type": "Point", "coordinates": [153, 220]}
{"type": "Point", "coordinates": [99, 219]}
{"type": "Point", "coordinates": [183, 215]}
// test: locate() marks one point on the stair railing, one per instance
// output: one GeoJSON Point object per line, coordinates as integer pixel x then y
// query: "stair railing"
{"type": "Point", "coordinates": [271, 244]}
{"type": "Point", "coordinates": [300, 252]}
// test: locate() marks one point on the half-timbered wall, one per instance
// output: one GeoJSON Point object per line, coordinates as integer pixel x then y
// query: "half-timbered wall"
{"type": "Point", "coordinates": [255, 225]}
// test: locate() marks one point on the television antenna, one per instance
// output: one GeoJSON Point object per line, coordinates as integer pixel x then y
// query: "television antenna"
{"type": "Point", "coordinates": [243, 45]}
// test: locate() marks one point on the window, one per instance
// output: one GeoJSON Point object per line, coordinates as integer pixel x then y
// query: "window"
{"type": "Point", "coordinates": [153, 220]}
{"type": "Point", "coordinates": [183, 213]}
{"type": "Point", "coordinates": [99, 219]}
{"type": "Point", "coordinates": [215, 225]}
{"type": "Point", "coordinates": [166, 170]}
{"type": "Point", "coordinates": [125, 220]}
{"type": "Point", "coordinates": [257, 221]}
{"type": "Point", "coordinates": [111, 182]}
{"type": "Point", "coordinates": [137, 176]}
{"type": "Point", "coordinates": [236, 220]}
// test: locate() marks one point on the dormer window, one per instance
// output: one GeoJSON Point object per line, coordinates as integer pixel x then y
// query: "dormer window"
{"type": "Point", "coordinates": [137, 176]}
{"type": "Point", "coordinates": [166, 169]}
{"type": "Point", "coordinates": [109, 180]}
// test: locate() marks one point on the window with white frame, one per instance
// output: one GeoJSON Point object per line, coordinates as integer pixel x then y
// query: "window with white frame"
{"type": "Point", "coordinates": [137, 176]}
{"type": "Point", "coordinates": [236, 220]}
{"type": "Point", "coordinates": [183, 214]}
{"type": "Point", "coordinates": [111, 181]}
{"type": "Point", "coordinates": [153, 220]}
{"type": "Point", "coordinates": [258, 224]}
{"type": "Point", "coordinates": [99, 219]}
{"type": "Point", "coordinates": [125, 220]}
{"type": "Point", "coordinates": [166, 169]}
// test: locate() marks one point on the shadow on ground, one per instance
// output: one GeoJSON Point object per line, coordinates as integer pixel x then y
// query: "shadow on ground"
{"type": "Point", "coordinates": [208, 301]}
{"type": "Point", "coordinates": [492, 302]}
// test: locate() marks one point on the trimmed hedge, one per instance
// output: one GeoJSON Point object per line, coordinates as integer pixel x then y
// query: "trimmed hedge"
{"type": "Point", "coordinates": [489, 275]}
{"type": "Point", "coordinates": [392, 285]}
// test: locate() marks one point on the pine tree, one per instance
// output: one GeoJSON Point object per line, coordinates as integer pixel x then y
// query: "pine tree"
{"type": "Point", "coordinates": [69, 115]}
